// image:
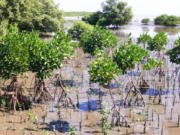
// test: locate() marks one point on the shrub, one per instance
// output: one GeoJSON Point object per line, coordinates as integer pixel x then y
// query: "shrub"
{"type": "Point", "coordinates": [45, 57]}
{"type": "Point", "coordinates": [158, 42]}
{"type": "Point", "coordinates": [128, 55]}
{"type": "Point", "coordinates": [144, 38]}
{"type": "Point", "coordinates": [145, 21]}
{"type": "Point", "coordinates": [79, 28]}
{"type": "Point", "coordinates": [14, 56]}
{"type": "Point", "coordinates": [97, 39]}
{"type": "Point", "coordinates": [160, 20]}
{"type": "Point", "coordinates": [167, 20]}
{"type": "Point", "coordinates": [172, 21]}
{"type": "Point", "coordinates": [103, 70]}
{"type": "Point", "coordinates": [174, 53]}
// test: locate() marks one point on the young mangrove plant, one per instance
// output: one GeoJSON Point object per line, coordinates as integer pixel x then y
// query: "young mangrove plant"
{"type": "Point", "coordinates": [103, 70]}
{"type": "Point", "coordinates": [72, 130]}
{"type": "Point", "coordinates": [14, 60]}
{"type": "Point", "coordinates": [174, 53]}
{"type": "Point", "coordinates": [97, 39]}
{"type": "Point", "coordinates": [45, 57]}
{"type": "Point", "coordinates": [158, 42]}
{"type": "Point", "coordinates": [106, 126]}
{"type": "Point", "coordinates": [78, 29]}
{"type": "Point", "coordinates": [144, 39]}
{"type": "Point", "coordinates": [127, 56]}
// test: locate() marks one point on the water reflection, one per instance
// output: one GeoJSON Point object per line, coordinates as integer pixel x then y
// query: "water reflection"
{"type": "Point", "coordinates": [168, 30]}
{"type": "Point", "coordinates": [145, 28]}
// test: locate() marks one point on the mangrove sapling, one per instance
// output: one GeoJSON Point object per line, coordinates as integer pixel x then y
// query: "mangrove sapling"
{"type": "Point", "coordinates": [103, 70]}
{"type": "Point", "coordinates": [126, 57]}
{"type": "Point", "coordinates": [72, 130]}
{"type": "Point", "coordinates": [36, 121]}
{"type": "Point", "coordinates": [144, 39]}
{"type": "Point", "coordinates": [64, 94]}
{"type": "Point", "coordinates": [79, 28]}
{"type": "Point", "coordinates": [45, 57]}
{"type": "Point", "coordinates": [157, 44]}
{"type": "Point", "coordinates": [174, 53]}
{"type": "Point", "coordinates": [105, 124]}
{"type": "Point", "coordinates": [46, 132]}
{"type": "Point", "coordinates": [98, 39]}
{"type": "Point", "coordinates": [31, 119]}
{"type": "Point", "coordinates": [14, 61]}
{"type": "Point", "coordinates": [23, 131]}
{"type": "Point", "coordinates": [3, 105]}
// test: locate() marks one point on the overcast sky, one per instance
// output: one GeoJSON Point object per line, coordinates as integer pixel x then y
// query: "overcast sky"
{"type": "Point", "coordinates": [139, 7]}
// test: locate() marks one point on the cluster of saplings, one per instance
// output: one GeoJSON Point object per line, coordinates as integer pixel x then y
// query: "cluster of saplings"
{"type": "Point", "coordinates": [21, 52]}
{"type": "Point", "coordinates": [95, 39]}
{"type": "Point", "coordinates": [167, 20]}
{"type": "Point", "coordinates": [112, 60]}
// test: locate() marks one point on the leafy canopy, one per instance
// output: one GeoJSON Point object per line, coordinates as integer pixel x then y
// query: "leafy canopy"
{"type": "Point", "coordinates": [41, 15]}
{"type": "Point", "coordinates": [79, 28]}
{"type": "Point", "coordinates": [97, 39]}
{"type": "Point", "coordinates": [158, 42]}
{"type": "Point", "coordinates": [21, 52]}
{"type": "Point", "coordinates": [45, 57]}
{"type": "Point", "coordinates": [14, 56]}
{"type": "Point", "coordinates": [128, 55]}
{"type": "Point", "coordinates": [152, 63]}
{"type": "Point", "coordinates": [145, 20]}
{"type": "Point", "coordinates": [174, 53]}
{"type": "Point", "coordinates": [103, 70]}
{"type": "Point", "coordinates": [144, 38]}
{"type": "Point", "coordinates": [114, 13]}
{"type": "Point", "coordinates": [167, 20]}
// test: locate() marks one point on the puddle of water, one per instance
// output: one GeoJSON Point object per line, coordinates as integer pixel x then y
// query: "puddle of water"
{"type": "Point", "coordinates": [154, 92]}
{"type": "Point", "coordinates": [60, 126]}
{"type": "Point", "coordinates": [92, 105]}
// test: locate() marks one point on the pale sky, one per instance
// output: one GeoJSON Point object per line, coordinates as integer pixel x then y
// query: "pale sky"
{"type": "Point", "coordinates": [139, 7]}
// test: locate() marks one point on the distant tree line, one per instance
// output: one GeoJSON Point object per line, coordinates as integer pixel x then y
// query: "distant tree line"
{"type": "Point", "coordinates": [74, 13]}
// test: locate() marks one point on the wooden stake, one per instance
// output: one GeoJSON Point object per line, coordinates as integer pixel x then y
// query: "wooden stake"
{"type": "Point", "coordinates": [145, 127]}
{"type": "Point", "coordinates": [178, 120]}
{"type": "Point", "coordinates": [171, 112]}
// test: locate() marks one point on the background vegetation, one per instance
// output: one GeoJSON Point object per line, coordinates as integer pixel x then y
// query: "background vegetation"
{"type": "Point", "coordinates": [41, 15]}
{"type": "Point", "coordinates": [167, 20]}
{"type": "Point", "coordinates": [114, 13]}
{"type": "Point", "coordinates": [74, 13]}
{"type": "Point", "coordinates": [145, 20]}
